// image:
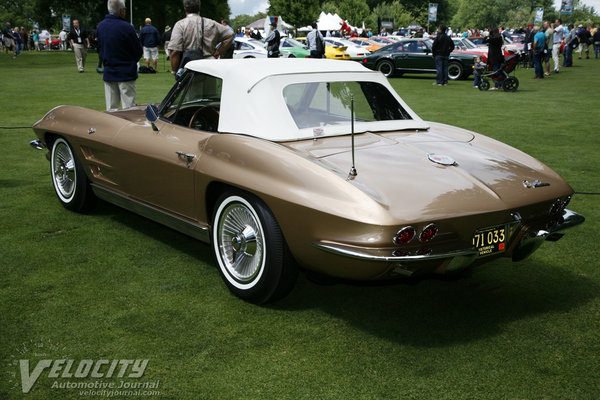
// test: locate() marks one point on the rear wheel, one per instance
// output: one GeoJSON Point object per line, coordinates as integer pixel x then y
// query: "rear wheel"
{"type": "Point", "coordinates": [68, 177]}
{"type": "Point", "coordinates": [386, 67]}
{"type": "Point", "coordinates": [510, 84]}
{"type": "Point", "coordinates": [455, 71]}
{"type": "Point", "coordinates": [252, 255]}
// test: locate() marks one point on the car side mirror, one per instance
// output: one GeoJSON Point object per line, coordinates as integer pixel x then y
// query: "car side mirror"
{"type": "Point", "coordinates": [152, 115]}
{"type": "Point", "coordinates": [426, 51]}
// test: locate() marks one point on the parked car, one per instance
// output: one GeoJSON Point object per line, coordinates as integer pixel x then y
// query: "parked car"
{"type": "Point", "coordinates": [383, 40]}
{"type": "Point", "coordinates": [354, 51]}
{"type": "Point", "coordinates": [508, 45]}
{"type": "Point", "coordinates": [464, 45]}
{"type": "Point", "coordinates": [248, 48]}
{"type": "Point", "coordinates": [318, 165]}
{"type": "Point", "coordinates": [366, 43]}
{"type": "Point", "coordinates": [414, 55]}
{"type": "Point", "coordinates": [331, 52]}
{"type": "Point", "coordinates": [293, 49]}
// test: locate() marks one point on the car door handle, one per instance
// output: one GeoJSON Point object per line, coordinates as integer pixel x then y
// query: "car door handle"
{"type": "Point", "coordinates": [188, 157]}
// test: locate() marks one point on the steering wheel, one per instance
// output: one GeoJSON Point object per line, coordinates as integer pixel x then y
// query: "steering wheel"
{"type": "Point", "coordinates": [205, 119]}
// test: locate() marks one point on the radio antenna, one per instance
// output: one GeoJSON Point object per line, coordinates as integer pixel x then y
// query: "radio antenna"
{"type": "Point", "coordinates": [353, 172]}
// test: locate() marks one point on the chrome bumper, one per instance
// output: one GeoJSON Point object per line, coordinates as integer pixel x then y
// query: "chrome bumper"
{"type": "Point", "coordinates": [37, 144]}
{"type": "Point", "coordinates": [378, 254]}
{"type": "Point", "coordinates": [530, 241]}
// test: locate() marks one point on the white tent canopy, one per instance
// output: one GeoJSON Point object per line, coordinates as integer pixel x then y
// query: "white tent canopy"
{"type": "Point", "coordinates": [327, 22]}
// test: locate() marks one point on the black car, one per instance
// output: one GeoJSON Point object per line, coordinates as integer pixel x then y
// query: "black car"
{"type": "Point", "coordinates": [414, 55]}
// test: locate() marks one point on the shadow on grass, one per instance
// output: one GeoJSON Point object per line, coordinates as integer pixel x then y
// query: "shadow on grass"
{"type": "Point", "coordinates": [156, 231]}
{"type": "Point", "coordinates": [424, 313]}
{"type": "Point", "coordinates": [434, 312]}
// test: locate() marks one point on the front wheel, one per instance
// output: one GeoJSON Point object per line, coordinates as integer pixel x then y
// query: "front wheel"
{"type": "Point", "coordinates": [386, 67]}
{"type": "Point", "coordinates": [68, 177]}
{"type": "Point", "coordinates": [252, 255]}
{"type": "Point", "coordinates": [484, 85]}
{"type": "Point", "coordinates": [510, 84]}
{"type": "Point", "coordinates": [455, 71]}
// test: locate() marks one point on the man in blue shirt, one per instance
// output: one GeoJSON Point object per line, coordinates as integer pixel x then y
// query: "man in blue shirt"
{"type": "Point", "coordinates": [121, 51]}
{"type": "Point", "coordinates": [539, 41]}
{"type": "Point", "coordinates": [150, 39]}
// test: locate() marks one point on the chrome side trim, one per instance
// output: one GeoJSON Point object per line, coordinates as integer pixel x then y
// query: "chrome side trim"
{"type": "Point", "coordinates": [200, 232]}
{"type": "Point", "coordinates": [378, 254]}
{"type": "Point", "coordinates": [37, 144]}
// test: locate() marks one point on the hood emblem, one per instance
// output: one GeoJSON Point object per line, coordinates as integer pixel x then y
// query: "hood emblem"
{"type": "Point", "coordinates": [441, 159]}
{"type": "Point", "coordinates": [534, 184]}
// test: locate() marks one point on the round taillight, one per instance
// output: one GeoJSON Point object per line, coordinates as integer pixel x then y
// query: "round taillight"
{"type": "Point", "coordinates": [425, 251]}
{"type": "Point", "coordinates": [405, 235]}
{"type": "Point", "coordinates": [428, 233]}
{"type": "Point", "coordinates": [400, 253]}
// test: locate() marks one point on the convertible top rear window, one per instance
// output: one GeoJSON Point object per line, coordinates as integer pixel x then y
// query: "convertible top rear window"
{"type": "Point", "coordinates": [318, 104]}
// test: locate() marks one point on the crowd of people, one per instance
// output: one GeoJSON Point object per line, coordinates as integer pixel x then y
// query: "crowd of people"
{"type": "Point", "coordinates": [120, 47]}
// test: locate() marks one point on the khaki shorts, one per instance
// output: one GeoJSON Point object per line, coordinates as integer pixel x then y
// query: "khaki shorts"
{"type": "Point", "coordinates": [9, 43]}
{"type": "Point", "coordinates": [151, 52]}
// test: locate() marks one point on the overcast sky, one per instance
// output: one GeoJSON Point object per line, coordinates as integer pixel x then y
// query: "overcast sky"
{"type": "Point", "coordinates": [252, 7]}
{"type": "Point", "coordinates": [249, 7]}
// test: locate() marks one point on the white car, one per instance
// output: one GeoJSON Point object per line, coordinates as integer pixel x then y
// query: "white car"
{"type": "Point", "coordinates": [248, 48]}
{"type": "Point", "coordinates": [352, 49]}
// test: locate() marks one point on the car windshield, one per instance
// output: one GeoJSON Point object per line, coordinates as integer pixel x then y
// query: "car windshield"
{"type": "Point", "coordinates": [381, 40]}
{"type": "Point", "coordinates": [319, 104]}
{"type": "Point", "coordinates": [468, 44]}
{"type": "Point", "coordinates": [292, 43]}
{"type": "Point", "coordinates": [193, 93]}
{"type": "Point", "coordinates": [256, 43]}
{"type": "Point", "coordinates": [344, 42]}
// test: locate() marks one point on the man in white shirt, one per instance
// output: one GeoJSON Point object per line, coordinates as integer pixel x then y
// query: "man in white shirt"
{"type": "Point", "coordinates": [315, 42]}
{"type": "Point", "coordinates": [559, 31]}
{"type": "Point", "coordinates": [195, 32]}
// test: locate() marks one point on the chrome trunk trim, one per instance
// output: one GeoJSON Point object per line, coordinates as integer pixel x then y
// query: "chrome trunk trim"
{"type": "Point", "coordinates": [190, 228]}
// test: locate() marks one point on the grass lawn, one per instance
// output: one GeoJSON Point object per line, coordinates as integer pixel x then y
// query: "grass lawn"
{"type": "Point", "coordinates": [111, 285]}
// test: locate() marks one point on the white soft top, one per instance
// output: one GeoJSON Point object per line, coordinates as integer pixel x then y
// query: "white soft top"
{"type": "Point", "coordinates": [252, 101]}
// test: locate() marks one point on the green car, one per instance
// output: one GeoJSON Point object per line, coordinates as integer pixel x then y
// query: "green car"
{"type": "Point", "coordinates": [291, 48]}
{"type": "Point", "coordinates": [414, 56]}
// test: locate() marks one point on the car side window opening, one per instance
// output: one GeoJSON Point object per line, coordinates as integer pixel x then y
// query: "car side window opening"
{"type": "Point", "coordinates": [195, 103]}
{"type": "Point", "coordinates": [318, 104]}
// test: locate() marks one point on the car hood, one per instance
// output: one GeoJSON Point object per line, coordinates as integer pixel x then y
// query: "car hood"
{"type": "Point", "coordinates": [397, 171]}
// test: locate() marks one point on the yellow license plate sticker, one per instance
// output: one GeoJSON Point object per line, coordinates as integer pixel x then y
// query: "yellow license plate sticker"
{"type": "Point", "coordinates": [491, 240]}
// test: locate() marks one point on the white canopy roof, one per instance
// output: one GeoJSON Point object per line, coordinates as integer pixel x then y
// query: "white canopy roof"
{"type": "Point", "coordinates": [327, 22]}
{"type": "Point", "coordinates": [252, 101]}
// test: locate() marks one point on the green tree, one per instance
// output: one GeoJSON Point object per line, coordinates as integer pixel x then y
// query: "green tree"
{"type": "Point", "coordinates": [18, 13]}
{"type": "Point", "coordinates": [509, 13]}
{"type": "Point", "coordinates": [244, 20]}
{"type": "Point", "coordinates": [48, 13]}
{"type": "Point", "coordinates": [402, 17]}
{"type": "Point", "coordinates": [330, 7]}
{"type": "Point", "coordinates": [296, 12]}
{"type": "Point", "coordinates": [354, 11]}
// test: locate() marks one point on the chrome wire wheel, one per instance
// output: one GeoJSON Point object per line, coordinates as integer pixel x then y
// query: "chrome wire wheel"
{"type": "Point", "coordinates": [241, 243]}
{"type": "Point", "coordinates": [64, 173]}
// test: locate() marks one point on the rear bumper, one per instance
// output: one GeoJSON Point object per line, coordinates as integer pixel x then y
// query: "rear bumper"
{"type": "Point", "coordinates": [525, 240]}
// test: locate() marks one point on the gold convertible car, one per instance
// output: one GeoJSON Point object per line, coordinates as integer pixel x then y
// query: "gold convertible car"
{"type": "Point", "coordinates": [306, 164]}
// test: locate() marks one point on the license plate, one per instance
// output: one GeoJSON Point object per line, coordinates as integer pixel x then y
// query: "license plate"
{"type": "Point", "coordinates": [491, 240]}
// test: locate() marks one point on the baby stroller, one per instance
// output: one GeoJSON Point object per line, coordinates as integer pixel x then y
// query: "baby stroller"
{"type": "Point", "coordinates": [509, 83]}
